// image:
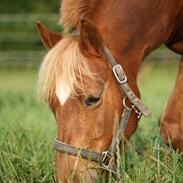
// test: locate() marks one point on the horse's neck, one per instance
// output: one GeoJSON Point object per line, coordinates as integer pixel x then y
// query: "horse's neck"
{"type": "Point", "coordinates": [132, 29]}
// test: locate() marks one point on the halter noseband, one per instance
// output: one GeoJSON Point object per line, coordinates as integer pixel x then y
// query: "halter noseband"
{"type": "Point", "coordinates": [107, 158]}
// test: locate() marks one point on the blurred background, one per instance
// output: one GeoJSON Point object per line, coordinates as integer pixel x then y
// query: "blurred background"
{"type": "Point", "coordinates": [27, 126]}
{"type": "Point", "coordinates": [20, 45]}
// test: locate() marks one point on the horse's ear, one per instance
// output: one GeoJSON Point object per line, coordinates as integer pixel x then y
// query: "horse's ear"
{"type": "Point", "coordinates": [48, 37]}
{"type": "Point", "coordinates": [90, 36]}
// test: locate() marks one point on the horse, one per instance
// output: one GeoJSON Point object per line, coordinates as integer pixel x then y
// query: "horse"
{"type": "Point", "coordinates": [77, 82]}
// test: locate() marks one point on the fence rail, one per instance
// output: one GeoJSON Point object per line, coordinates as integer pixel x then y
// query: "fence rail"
{"type": "Point", "coordinates": [20, 45]}
{"type": "Point", "coordinates": [19, 18]}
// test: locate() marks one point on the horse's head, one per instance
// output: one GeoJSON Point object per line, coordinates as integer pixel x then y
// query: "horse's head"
{"type": "Point", "coordinates": [77, 82]}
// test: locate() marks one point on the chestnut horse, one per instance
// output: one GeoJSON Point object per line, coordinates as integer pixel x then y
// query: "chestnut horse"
{"type": "Point", "coordinates": [77, 82]}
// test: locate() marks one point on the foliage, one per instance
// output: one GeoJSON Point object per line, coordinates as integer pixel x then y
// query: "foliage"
{"type": "Point", "coordinates": [33, 6]}
{"type": "Point", "coordinates": [27, 128]}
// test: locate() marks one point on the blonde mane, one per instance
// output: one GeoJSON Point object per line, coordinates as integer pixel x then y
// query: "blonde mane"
{"type": "Point", "coordinates": [64, 71]}
{"type": "Point", "coordinates": [72, 11]}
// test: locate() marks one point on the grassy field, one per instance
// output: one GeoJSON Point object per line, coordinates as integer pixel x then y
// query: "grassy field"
{"type": "Point", "coordinates": [27, 129]}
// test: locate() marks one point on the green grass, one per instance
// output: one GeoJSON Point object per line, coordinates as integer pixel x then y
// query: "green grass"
{"type": "Point", "coordinates": [27, 129]}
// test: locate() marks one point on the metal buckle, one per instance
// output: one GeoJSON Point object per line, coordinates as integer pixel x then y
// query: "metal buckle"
{"type": "Point", "coordinates": [106, 159]}
{"type": "Point", "coordinates": [118, 70]}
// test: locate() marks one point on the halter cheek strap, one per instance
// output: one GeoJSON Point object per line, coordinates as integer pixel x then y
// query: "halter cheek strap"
{"type": "Point", "coordinates": [122, 80]}
{"type": "Point", "coordinates": [107, 158]}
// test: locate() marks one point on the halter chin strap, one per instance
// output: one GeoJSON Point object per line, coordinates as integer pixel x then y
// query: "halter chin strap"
{"type": "Point", "coordinates": [107, 158]}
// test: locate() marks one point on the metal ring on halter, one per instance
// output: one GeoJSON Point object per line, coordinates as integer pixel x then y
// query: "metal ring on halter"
{"type": "Point", "coordinates": [139, 114]}
{"type": "Point", "coordinates": [124, 104]}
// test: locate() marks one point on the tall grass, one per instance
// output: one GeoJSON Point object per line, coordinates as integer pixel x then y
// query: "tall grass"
{"type": "Point", "coordinates": [27, 129]}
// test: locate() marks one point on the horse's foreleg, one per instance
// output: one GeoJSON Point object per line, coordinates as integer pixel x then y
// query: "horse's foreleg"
{"type": "Point", "coordinates": [171, 122]}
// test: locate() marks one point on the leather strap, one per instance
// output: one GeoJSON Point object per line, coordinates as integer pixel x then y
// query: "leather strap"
{"type": "Point", "coordinates": [120, 131]}
{"type": "Point", "coordinates": [75, 151]}
{"type": "Point", "coordinates": [122, 79]}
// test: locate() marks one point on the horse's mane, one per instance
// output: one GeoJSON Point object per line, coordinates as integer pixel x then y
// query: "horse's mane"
{"type": "Point", "coordinates": [72, 11]}
{"type": "Point", "coordinates": [64, 71]}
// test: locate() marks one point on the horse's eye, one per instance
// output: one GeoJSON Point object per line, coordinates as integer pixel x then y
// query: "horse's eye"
{"type": "Point", "coordinates": [91, 100]}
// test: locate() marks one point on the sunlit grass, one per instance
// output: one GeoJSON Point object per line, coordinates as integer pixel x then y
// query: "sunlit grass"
{"type": "Point", "coordinates": [27, 129]}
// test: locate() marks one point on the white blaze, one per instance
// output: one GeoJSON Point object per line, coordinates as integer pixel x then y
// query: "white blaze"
{"type": "Point", "coordinates": [62, 91]}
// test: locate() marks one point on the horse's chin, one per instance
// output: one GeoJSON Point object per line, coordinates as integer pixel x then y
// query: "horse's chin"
{"type": "Point", "coordinates": [90, 176]}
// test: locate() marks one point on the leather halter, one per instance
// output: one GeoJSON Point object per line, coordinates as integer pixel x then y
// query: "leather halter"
{"type": "Point", "coordinates": [107, 158]}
